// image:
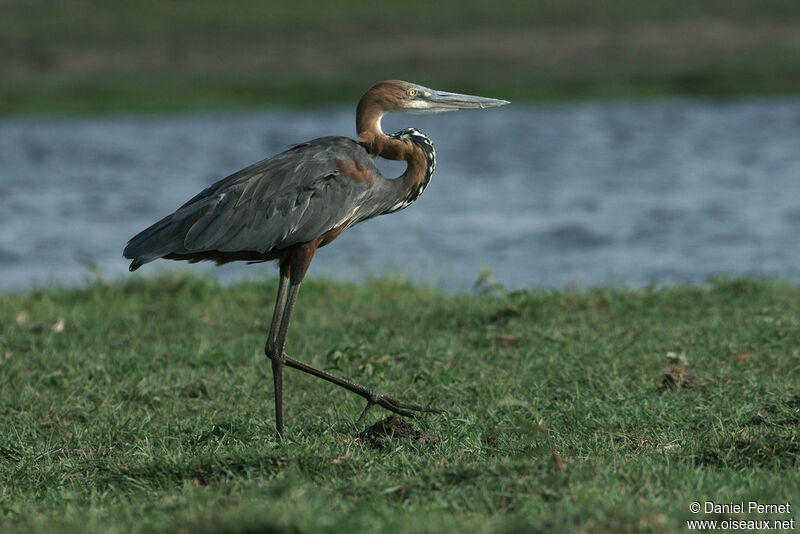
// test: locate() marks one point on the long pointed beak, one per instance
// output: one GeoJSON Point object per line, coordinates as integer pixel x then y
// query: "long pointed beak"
{"type": "Point", "coordinates": [444, 101]}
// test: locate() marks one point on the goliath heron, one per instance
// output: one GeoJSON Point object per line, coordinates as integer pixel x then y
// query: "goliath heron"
{"type": "Point", "coordinates": [285, 207]}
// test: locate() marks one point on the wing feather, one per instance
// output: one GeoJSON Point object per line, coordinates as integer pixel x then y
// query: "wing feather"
{"type": "Point", "coordinates": [291, 198]}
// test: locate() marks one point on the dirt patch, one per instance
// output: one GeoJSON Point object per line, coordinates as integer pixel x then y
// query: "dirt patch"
{"type": "Point", "coordinates": [506, 340]}
{"type": "Point", "coordinates": [679, 378]}
{"type": "Point", "coordinates": [395, 427]}
{"type": "Point", "coordinates": [503, 315]}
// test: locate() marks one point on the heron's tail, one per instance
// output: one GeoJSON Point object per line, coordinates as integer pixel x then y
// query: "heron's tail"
{"type": "Point", "coordinates": [162, 238]}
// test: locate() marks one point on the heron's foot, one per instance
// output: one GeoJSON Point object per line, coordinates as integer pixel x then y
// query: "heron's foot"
{"type": "Point", "coordinates": [406, 409]}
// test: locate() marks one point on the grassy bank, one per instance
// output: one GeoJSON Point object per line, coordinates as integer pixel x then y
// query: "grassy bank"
{"type": "Point", "coordinates": [146, 406]}
{"type": "Point", "coordinates": [96, 57]}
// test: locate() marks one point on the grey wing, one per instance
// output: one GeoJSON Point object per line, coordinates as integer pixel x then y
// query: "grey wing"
{"type": "Point", "coordinates": [291, 198]}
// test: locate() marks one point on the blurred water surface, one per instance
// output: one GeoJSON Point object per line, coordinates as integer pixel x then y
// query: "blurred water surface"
{"type": "Point", "coordinates": [586, 194]}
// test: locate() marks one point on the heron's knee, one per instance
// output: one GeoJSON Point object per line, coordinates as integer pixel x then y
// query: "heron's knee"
{"type": "Point", "coordinates": [277, 357]}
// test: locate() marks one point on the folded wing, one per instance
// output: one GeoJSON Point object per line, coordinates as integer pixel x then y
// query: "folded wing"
{"type": "Point", "coordinates": [290, 198]}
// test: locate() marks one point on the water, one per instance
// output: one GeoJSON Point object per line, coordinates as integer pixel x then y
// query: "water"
{"type": "Point", "coordinates": [588, 194]}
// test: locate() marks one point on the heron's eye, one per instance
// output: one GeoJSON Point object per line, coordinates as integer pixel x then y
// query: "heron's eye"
{"type": "Point", "coordinates": [411, 92]}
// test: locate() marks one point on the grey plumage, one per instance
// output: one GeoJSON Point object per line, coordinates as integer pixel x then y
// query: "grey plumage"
{"type": "Point", "coordinates": [290, 198]}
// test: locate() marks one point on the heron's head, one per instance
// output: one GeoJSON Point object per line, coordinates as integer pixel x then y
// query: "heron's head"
{"type": "Point", "coordinates": [397, 95]}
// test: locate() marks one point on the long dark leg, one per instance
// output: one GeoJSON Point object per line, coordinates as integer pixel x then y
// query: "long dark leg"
{"type": "Point", "coordinates": [372, 396]}
{"type": "Point", "coordinates": [276, 342]}
{"type": "Point", "coordinates": [280, 302]}
{"type": "Point", "coordinates": [279, 355]}
{"type": "Point", "coordinates": [293, 269]}
{"type": "Point", "coordinates": [273, 353]}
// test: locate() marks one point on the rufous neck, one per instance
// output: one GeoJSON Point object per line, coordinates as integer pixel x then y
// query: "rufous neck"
{"type": "Point", "coordinates": [368, 127]}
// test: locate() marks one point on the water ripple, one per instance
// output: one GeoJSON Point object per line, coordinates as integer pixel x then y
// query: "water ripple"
{"type": "Point", "coordinates": [589, 193]}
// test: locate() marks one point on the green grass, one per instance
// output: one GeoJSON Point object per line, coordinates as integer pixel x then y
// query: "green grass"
{"type": "Point", "coordinates": [151, 411]}
{"type": "Point", "coordinates": [91, 56]}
